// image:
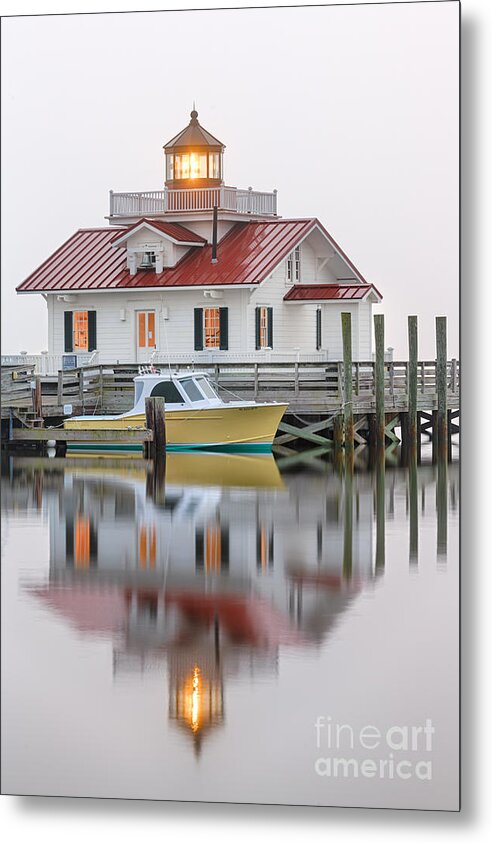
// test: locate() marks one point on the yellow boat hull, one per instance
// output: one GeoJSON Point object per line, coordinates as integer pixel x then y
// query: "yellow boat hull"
{"type": "Point", "coordinates": [248, 428]}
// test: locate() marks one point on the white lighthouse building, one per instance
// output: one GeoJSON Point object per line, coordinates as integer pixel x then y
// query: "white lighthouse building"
{"type": "Point", "coordinates": [201, 270]}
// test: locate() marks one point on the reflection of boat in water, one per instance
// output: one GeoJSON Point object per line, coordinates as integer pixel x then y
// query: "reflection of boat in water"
{"type": "Point", "coordinates": [192, 468]}
{"type": "Point", "coordinates": [226, 470]}
{"type": "Point", "coordinates": [196, 417]}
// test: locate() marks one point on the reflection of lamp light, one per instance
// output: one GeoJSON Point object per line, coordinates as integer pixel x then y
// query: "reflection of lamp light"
{"type": "Point", "coordinates": [196, 699]}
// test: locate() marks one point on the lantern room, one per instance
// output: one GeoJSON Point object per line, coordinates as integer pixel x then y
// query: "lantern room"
{"type": "Point", "coordinates": [194, 158]}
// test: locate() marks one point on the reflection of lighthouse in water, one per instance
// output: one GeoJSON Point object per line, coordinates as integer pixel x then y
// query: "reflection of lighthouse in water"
{"type": "Point", "coordinates": [228, 564]}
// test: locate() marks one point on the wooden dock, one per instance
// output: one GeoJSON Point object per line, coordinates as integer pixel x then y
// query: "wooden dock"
{"type": "Point", "coordinates": [331, 404]}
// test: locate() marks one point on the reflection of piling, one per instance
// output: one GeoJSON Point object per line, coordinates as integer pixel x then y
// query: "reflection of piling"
{"type": "Point", "coordinates": [413, 510]}
{"type": "Point", "coordinates": [348, 524]}
{"type": "Point", "coordinates": [441, 387]}
{"type": "Point", "coordinates": [348, 409]}
{"type": "Point", "coordinates": [338, 442]}
{"type": "Point", "coordinates": [380, 513]}
{"type": "Point", "coordinates": [156, 480]}
{"type": "Point", "coordinates": [379, 380]}
{"type": "Point", "coordinates": [442, 506]}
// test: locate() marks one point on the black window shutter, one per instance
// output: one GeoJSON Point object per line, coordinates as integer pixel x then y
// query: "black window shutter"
{"type": "Point", "coordinates": [91, 325]}
{"type": "Point", "coordinates": [257, 327]}
{"type": "Point", "coordinates": [270, 326]}
{"type": "Point", "coordinates": [68, 316]}
{"type": "Point", "coordinates": [198, 328]}
{"type": "Point", "coordinates": [224, 328]}
{"type": "Point", "coordinates": [92, 545]}
{"type": "Point", "coordinates": [199, 549]}
{"type": "Point", "coordinates": [224, 547]}
{"type": "Point", "coordinates": [69, 540]}
{"type": "Point", "coordinates": [318, 329]}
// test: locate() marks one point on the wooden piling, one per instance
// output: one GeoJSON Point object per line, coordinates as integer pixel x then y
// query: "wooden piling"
{"type": "Point", "coordinates": [155, 416]}
{"type": "Point", "coordinates": [338, 443]}
{"type": "Point", "coordinates": [441, 385]}
{"type": "Point", "coordinates": [338, 431]}
{"type": "Point", "coordinates": [37, 404]}
{"type": "Point", "coordinates": [379, 379]}
{"type": "Point", "coordinates": [411, 428]}
{"type": "Point", "coordinates": [348, 407]}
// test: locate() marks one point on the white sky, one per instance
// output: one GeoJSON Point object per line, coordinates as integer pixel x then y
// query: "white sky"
{"type": "Point", "coordinates": [351, 112]}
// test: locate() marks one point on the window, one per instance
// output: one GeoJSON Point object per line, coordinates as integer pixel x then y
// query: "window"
{"type": "Point", "coordinates": [211, 318]}
{"type": "Point", "coordinates": [297, 264]}
{"type": "Point", "coordinates": [190, 165]}
{"type": "Point", "coordinates": [191, 389]}
{"type": "Point", "coordinates": [206, 388]}
{"type": "Point", "coordinates": [79, 330]}
{"type": "Point", "coordinates": [81, 541]}
{"type": "Point", "coordinates": [169, 167]}
{"type": "Point", "coordinates": [264, 547]}
{"type": "Point", "coordinates": [147, 545]}
{"type": "Point", "coordinates": [214, 165]}
{"type": "Point", "coordinates": [169, 391]}
{"type": "Point", "coordinates": [211, 328]}
{"type": "Point", "coordinates": [212, 548]}
{"type": "Point", "coordinates": [294, 266]}
{"type": "Point", "coordinates": [264, 327]}
{"type": "Point", "coordinates": [193, 165]}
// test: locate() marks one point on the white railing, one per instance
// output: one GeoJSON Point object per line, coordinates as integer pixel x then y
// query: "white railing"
{"type": "Point", "coordinates": [192, 199]}
{"type": "Point", "coordinates": [49, 364]}
{"type": "Point", "coordinates": [204, 357]}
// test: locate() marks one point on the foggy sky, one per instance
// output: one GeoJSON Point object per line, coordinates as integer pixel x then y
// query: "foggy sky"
{"type": "Point", "coordinates": [350, 112]}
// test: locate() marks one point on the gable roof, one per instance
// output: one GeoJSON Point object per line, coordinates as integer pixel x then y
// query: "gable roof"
{"type": "Point", "coordinates": [247, 254]}
{"type": "Point", "coordinates": [331, 292]}
{"type": "Point", "coordinates": [173, 230]}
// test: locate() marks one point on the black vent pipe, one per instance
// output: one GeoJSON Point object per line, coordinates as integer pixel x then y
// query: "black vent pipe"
{"type": "Point", "coordinates": [214, 236]}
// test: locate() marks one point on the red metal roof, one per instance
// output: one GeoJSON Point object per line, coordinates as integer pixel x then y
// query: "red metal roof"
{"type": "Point", "coordinates": [247, 254]}
{"type": "Point", "coordinates": [326, 292]}
{"type": "Point", "coordinates": [172, 229]}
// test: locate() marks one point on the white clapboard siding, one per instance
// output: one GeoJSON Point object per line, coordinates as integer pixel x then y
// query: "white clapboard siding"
{"type": "Point", "coordinates": [294, 325]}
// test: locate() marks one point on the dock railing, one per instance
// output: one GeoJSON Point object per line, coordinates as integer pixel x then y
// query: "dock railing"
{"type": "Point", "coordinates": [308, 385]}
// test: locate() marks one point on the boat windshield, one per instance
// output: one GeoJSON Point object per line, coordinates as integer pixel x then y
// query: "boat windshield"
{"type": "Point", "coordinates": [191, 389]}
{"type": "Point", "coordinates": [206, 387]}
{"type": "Point", "coordinates": [169, 391]}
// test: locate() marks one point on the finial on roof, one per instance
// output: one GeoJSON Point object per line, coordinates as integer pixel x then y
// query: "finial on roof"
{"type": "Point", "coordinates": [194, 114]}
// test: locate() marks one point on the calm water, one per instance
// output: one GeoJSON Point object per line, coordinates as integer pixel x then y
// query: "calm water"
{"type": "Point", "coordinates": [180, 637]}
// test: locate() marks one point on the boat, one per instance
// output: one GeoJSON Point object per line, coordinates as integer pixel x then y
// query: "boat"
{"type": "Point", "coordinates": [196, 417]}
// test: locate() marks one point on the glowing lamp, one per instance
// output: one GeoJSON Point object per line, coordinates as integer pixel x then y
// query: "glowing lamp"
{"type": "Point", "coordinates": [194, 158]}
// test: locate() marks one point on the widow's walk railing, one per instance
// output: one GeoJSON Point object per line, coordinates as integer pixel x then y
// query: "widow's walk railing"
{"type": "Point", "coordinates": [192, 199]}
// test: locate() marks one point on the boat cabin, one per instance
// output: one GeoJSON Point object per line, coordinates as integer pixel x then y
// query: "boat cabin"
{"type": "Point", "coordinates": [191, 390]}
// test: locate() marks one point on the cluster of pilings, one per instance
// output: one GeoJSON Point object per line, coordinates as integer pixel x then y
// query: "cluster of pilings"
{"type": "Point", "coordinates": [343, 426]}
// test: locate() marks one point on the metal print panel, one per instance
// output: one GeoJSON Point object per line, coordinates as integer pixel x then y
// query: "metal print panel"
{"type": "Point", "coordinates": [230, 416]}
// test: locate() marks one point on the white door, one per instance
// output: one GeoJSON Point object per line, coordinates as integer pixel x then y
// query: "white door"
{"type": "Point", "coordinates": [145, 333]}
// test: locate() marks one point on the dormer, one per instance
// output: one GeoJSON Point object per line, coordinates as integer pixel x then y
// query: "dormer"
{"type": "Point", "coordinates": [152, 245]}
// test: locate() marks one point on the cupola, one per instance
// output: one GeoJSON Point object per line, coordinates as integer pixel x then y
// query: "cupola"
{"type": "Point", "coordinates": [194, 158]}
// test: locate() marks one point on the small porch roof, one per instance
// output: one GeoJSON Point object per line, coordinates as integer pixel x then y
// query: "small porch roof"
{"type": "Point", "coordinates": [322, 293]}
